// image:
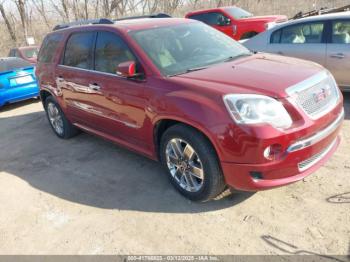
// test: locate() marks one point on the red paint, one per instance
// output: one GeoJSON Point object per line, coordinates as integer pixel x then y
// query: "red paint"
{"type": "Point", "coordinates": [127, 112]}
{"type": "Point", "coordinates": [239, 27]}
{"type": "Point", "coordinates": [21, 53]}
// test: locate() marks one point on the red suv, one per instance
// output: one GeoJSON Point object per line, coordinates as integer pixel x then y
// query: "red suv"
{"type": "Point", "coordinates": [181, 92]}
{"type": "Point", "coordinates": [236, 22]}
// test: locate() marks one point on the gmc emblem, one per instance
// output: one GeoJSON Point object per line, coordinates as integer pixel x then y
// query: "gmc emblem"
{"type": "Point", "coordinates": [322, 95]}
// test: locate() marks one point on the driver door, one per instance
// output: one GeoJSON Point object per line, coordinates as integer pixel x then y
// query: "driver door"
{"type": "Point", "coordinates": [119, 102]}
{"type": "Point", "coordinates": [221, 22]}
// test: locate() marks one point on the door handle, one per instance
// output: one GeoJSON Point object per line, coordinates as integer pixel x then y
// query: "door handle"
{"type": "Point", "coordinates": [94, 87]}
{"type": "Point", "coordinates": [339, 55]}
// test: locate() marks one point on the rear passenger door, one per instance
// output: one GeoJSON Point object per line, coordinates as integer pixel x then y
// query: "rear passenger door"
{"type": "Point", "coordinates": [303, 40]}
{"type": "Point", "coordinates": [338, 52]}
{"type": "Point", "coordinates": [73, 77]}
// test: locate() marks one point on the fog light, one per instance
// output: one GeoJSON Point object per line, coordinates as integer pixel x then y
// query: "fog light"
{"type": "Point", "coordinates": [273, 152]}
{"type": "Point", "coordinates": [256, 175]}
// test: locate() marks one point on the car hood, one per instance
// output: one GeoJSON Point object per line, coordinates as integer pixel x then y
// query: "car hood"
{"type": "Point", "coordinates": [256, 74]}
{"type": "Point", "coordinates": [268, 18]}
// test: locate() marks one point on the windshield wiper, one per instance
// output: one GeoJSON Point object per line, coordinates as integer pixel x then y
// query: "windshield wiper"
{"type": "Point", "coordinates": [189, 70]}
{"type": "Point", "coordinates": [196, 69]}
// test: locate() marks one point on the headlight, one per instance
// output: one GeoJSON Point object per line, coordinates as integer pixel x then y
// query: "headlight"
{"type": "Point", "coordinates": [257, 109]}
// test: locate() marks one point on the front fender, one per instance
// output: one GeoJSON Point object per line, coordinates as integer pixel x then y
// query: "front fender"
{"type": "Point", "coordinates": [208, 115]}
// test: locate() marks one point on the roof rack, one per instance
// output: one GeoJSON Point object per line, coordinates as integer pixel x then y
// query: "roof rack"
{"type": "Point", "coordinates": [84, 22]}
{"type": "Point", "coordinates": [322, 11]}
{"type": "Point", "coordinates": [158, 15]}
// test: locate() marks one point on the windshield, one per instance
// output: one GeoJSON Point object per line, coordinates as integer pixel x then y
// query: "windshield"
{"type": "Point", "coordinates": [31, 53]}
{"type": "Point", "coordinates": [11, 64]}
{"type": "Point", "coordinates": [238, 13]}
{"type": "Point", "coordinates": [186, 47]}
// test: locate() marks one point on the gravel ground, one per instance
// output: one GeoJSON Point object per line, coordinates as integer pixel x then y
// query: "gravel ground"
{"type": "Point", "coordinates": [88, 196]}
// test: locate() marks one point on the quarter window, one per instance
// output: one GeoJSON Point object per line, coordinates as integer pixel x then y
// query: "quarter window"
{"type": "Point", "coordinates": [306, 33]}
{"type": "Point", "coordinates": [276, 37]}
{"type": "Point", "coordinates": [49, 47]}
{"type": "Point", "coordinates": [79, 50]}
{"type": "Point", "coordinates": [110, 51]}
{"type": "Point", "coordinates": [341, 32]}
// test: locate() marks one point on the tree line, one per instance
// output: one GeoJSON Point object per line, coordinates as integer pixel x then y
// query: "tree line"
{"type": "Point", "coordinates": [23, 18]}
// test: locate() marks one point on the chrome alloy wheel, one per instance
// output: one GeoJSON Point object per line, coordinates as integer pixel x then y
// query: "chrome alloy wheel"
{"type": "Point", "coordinates": [184, 165]}
{"type": "Point", "coordinates": [55, 118]}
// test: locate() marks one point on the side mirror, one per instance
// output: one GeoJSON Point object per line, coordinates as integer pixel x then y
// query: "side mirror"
{"type": "Point", "coordinates": [127, 69]}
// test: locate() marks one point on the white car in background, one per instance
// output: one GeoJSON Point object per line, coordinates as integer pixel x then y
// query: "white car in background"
{"type": "Point", "coordinates": [324, 39]}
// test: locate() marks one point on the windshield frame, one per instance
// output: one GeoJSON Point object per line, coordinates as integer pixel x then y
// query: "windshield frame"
{"type": "Point", "coordinates": [243, 51]}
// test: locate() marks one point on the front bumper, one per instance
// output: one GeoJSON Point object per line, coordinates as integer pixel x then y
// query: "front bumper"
{"type": "Point", "coordinates": [300, 160]}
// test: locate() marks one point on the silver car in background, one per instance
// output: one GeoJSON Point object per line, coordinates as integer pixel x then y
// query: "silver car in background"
{"type": "Point", "coordinates": [324, 39]}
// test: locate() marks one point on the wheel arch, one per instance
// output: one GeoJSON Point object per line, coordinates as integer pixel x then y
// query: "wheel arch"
{"type": "Point", "coordinates": [162, 124]}
{"type": "Point", "coordinates": [44, 94]}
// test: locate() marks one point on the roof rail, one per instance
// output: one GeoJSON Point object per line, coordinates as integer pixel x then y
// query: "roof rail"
{"type": "Point", "coordinates": [84, 22]}
{"type": "Point", "coordinates": [158, 15]}
{"type": "Point", "coordinates": [322, 11]}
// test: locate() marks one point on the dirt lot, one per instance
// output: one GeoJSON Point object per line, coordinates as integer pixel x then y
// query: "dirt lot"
{"type": "Point", "coordinates": [87, 196]}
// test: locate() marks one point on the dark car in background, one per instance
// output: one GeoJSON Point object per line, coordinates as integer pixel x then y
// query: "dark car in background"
{"type": "Point", "coordinates": [17, 80]}
{"type": "Point", "coordinates": [28, 53]}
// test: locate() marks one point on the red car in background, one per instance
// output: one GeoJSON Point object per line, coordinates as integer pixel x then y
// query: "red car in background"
{"type": "Point", "coordinates": [28, 53]}
{"type": "Point", "coordinates": [236, 22]}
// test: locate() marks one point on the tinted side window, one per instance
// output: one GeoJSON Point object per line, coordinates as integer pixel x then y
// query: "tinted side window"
{"type": "Point", "coordinates": [110, 51]}
{"type": "Point", "coordinates": [213, 18]}
{"type": "Point", "coordinates": [48, 48]}
{"type": "Point", "coordinates": [307, 33]}
{"type": "Point", "coordinates": [79, 49]}
{"type": "Point", "coordinates": [200, 17]}
{"type": "Point", "coordinates": [276, 37]}
{"type": "Point", "coordinates": [341, 32]}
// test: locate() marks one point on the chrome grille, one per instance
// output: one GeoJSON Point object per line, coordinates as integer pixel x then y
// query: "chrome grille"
{"type": "Point", "coordinates": [315, 158]}
{"type": "Point", "coordinates": [316, 96]}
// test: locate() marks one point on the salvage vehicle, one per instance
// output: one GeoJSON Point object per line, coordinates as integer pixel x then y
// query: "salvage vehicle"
{"type": "Point", "coordinates": [17, 80]}
{"type": "Point", "coordinates": [323, 39]}
{"type": "Point", "coordinates": [236, 22]}
{"type": "Point", "coordinates": [178, 91]}
{"type": "Point", "coordinates": [28, 53]}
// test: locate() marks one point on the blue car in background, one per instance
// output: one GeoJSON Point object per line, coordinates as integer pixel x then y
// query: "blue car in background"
{"type": "Point", "coordinates": [17, 80]}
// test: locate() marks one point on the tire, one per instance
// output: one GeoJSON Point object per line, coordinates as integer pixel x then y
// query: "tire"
{"type": "Point", "coordinates": [66, 130]}
{"type": "Point", "coordinates": [206, 184]}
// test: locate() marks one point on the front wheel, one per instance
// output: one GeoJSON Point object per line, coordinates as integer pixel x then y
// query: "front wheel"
{"type": "Point", "coordinates": [191, 163]}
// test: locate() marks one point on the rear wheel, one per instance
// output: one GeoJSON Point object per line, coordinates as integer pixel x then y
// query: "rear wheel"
{"type": "Point", "coordinates": [191, 163]}
{"type": "Point", "coordinates": [59, 123]}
